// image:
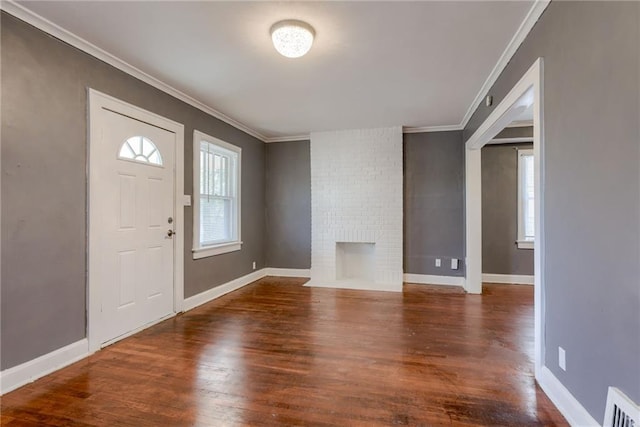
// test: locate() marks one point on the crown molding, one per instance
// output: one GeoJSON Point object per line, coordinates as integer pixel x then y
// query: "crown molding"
{"type": "Point", "coordinates": [74, 40]}
{"type": "Point", "coordinates": [292, 138]}
{"type": "Point", "coordinates": [527, 24]}
{"type": "Point", "coordinates": [425, 129]}
{"type": "Point", "coordinates": [405, 129]}
{"type": "Point", "coordinates": [78, 42]}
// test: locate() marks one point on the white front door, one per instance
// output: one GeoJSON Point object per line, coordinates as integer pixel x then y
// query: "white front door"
{"type": "Point", "coordinates": [132, 222]}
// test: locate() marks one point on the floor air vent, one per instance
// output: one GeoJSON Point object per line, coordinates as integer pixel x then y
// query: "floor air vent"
{"type": "Point", "coordinates": [620, 410]}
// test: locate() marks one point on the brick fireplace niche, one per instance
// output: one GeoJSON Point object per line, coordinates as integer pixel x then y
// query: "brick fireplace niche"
{"type": "Point", "coordinates": [356, 209]}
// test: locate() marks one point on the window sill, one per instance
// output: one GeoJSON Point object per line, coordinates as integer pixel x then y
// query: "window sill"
{"type": "Point", "coordinates": [525, 244]}
{"type": "Point", "coordinates": [216, 250]}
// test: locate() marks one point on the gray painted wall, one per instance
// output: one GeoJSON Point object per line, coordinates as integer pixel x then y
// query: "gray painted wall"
{"type": "Point", "coordinates": [44, 97]}
{"type": "Point", "coordinates": [500, 254]}
{"type": "Point", "coordinates": [433, 202]}
{"type": "Point", "coordinates": [591, 203]}
{"type": "Point", "coordinates": [433, 198]}
{"type": "Point", "coordinates": [288, 205]}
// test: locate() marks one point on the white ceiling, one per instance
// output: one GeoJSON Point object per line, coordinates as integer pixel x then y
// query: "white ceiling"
{"type": "Point", "coordinates": [373, 64]}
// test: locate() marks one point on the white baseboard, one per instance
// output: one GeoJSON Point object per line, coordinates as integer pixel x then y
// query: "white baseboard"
{"type": "Point", "coordinates": [28, 372]}
{"type": "Point", "coordinates": [568, 406]}
{"type": "Point", "coordinates": [218, 291]}
{"type": "Point", "coordinates": [13, 378]}
{"type": "Point", "coordinates": [288, 272]}
{"type": "Point", "coordinates": [507, 279]}
{"type": "Point", "coordinates": [359, 285]}
{"type": "Point", "coordinates": [427, 279]}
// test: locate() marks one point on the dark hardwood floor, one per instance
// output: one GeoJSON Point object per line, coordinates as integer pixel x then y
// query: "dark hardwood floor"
{"type": "Point", "coordinates": [276, 353]}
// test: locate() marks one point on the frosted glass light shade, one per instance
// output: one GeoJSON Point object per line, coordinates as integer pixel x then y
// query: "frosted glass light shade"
{"type": "Point", "coordinates": [292, 38]}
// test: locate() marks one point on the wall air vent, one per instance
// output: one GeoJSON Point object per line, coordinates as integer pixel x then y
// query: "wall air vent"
{"type": "Point", "coordinates": [620, 410]}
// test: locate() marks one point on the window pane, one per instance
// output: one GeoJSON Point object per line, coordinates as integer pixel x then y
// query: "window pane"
{"type": "Point", "coordinates": [126, 152]}
{"type": "Point", "coordinates": [147, 147]}
{"type": "Point", "coordinates": [155, 158]}
{"type": "Point", "coordinates": [530, 220]}
{"type": "Point", "coordinates": [217, 175]}
{"type": "Point", "coordinates": [203, 172]}
{"type": "Point", "coordinates": [528, 195]}
{"type": "Point", "coordinates": [215, 220]}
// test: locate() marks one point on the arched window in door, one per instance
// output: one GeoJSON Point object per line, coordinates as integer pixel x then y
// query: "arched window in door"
{"type": "Point", "coordinates": [140, 149]}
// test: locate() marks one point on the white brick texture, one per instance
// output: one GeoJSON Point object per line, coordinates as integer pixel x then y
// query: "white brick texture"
{"type": "Point", "coordinates": [356, 196]}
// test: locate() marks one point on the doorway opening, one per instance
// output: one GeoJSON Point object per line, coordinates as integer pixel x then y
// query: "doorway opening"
{"type": "Point", "coordinates": [524, 98]}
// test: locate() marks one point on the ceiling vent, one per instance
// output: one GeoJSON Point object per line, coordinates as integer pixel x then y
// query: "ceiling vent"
{"type": "Point", "coordinates": [620, 410]}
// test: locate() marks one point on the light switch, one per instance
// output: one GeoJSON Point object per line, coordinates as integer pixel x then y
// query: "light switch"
{"type": "Point", "coordinates": [562, 359]}
{"type": "Point", "coordinates": [186, 200]}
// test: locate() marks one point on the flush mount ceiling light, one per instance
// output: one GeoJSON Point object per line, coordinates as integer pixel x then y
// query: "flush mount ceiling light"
{"type": "Point", "coordinates": [292, 38]}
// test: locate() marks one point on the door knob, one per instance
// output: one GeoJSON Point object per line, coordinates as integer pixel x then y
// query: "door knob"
{"type": "Point", "coordinates": [170, 233]}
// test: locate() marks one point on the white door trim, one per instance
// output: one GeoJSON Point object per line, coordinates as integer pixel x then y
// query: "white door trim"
{"type": "Point", "coordinates": [98, 101]}
{"type": "Point", "coordinates": [527, 92]}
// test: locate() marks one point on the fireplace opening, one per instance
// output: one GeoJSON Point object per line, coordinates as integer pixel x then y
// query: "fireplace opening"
{"type": "Point", "coordinates": [355, 261]}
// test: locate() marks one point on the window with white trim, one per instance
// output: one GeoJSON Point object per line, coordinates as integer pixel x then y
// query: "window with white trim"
{"type": "Point", "coordinates": [526, 200]}
{"type": "Point", "coordinates": [216, 183]}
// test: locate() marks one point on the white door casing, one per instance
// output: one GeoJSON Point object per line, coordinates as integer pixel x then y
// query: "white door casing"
{"type": "Point", "coordinates": [527, 92]}
{"type": "Point", "coordinates": [135, 266]}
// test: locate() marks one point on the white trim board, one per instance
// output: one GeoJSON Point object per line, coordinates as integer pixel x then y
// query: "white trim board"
{"type": "Point", "coordinates": [516, 140]}
{"type": "Point", "coordinates": [425, 129]}
{"type": "Point", "coordinates": [521, 34]}
{"type": "Point", "coordinates": [562, 398]}
{"type": "Point", "coordinates": [405, 130]}
{"type": "Point", "coordinates": [78, 42]}
{"type": "Point", "coordinates": [213, 293]}
{"type": "Point", "coordinates": [291, 138]}
{"type": "Point", "coordinates": [426, 279]}
{"type": "Point", "coordinates": [520, 124]}
{"type": "Point", "coordinates": [508, 279]}
{"type": "Point", "coordinates": [527, 92]}
{"type": "Point", "coordinates": [25, 373]}
{"type": "Point", "coordinates": [287, 272]}
{"type": "Point", "coordinates": [28, 372]}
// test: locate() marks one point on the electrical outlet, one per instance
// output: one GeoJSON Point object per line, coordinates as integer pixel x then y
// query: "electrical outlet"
{"type": "Point", "coordinates": [438, 262]}
{"type": "Point", "coordinates": [254, 265]}
{"type": "Point", "coordinates": [562, 358]}
{"type": "Point", "coordinates": [454, 263]}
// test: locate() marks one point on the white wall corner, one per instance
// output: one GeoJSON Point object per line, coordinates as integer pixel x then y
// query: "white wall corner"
{"type": "Point", "coordinates": [427, 279]}
{"type": "Point", "coordinates": [566, 403]}
{"type": "Point", "coordinates": [28, 372]}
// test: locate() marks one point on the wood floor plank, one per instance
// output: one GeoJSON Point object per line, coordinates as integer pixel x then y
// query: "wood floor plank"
{"type": "Point", "coordinates": [277, 354]}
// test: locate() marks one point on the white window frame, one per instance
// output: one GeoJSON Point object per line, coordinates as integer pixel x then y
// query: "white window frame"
{"type": "Point", "coordinates": [203, 251]}
{"type": "Point", "coordinates": [523, 242]}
